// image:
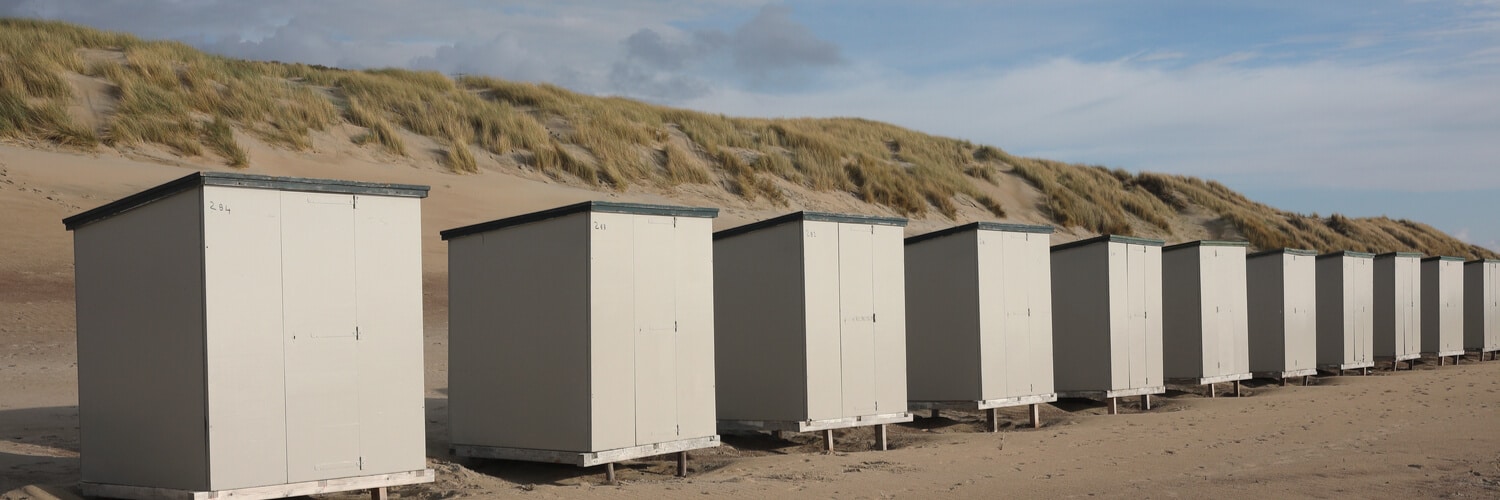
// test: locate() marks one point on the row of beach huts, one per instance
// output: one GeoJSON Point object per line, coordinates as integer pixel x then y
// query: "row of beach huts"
{"type": "Point", "coordinates": [249, 336]}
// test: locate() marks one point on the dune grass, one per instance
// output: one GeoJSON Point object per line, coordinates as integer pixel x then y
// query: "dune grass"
{"type": "Point", "coordinates": [172, 95]}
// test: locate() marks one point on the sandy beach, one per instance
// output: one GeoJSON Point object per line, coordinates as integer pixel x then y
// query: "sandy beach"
{"type": "Point", "coordinates": [1431, 432]}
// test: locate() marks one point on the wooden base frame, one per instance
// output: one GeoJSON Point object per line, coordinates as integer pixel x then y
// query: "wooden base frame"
{"type": "Point", "coordinates": [590, 459]}
{"type": "Point", "coordinates": [377, 484]}
{"type": "Point", "coordinates": [826, 427]}
{"type": "Point", "coordinates": [1111, 397]}
{"type": "Point", "coordinates": [990, 407]}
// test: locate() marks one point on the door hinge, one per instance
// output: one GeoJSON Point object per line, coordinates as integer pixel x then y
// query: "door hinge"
{"type": "Point", "coordinates": [872, 317]}
{"type": "Point", "coordinates": [356, 333]}
{"type": "Point", "coordinates": [355, 203]}
{"type": "Point", "coordinates": [361, 463]}
{"type": "Point", "coordinates": [674, 326]}
{"type": "Point", "coordinates": [679, 429]}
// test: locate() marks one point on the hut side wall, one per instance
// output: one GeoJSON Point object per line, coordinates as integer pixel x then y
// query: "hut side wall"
{"type": "Point", "coordinates": [1083, 317]}
{"type": "Point", "coordinates": [1268, 295]}
{"type": "Point", "coordinates": [1184, 329]}
{"type": "Point", "coordinates": [944, 277]}
{"type": "Point", "coordinates": [760, 329]}
{"type": "Point", "coordinates": [1442, 306]}
{"type": "Point", "coordinates": [1482, 306]}
{"type": "Point", "coordinates": [152, 330]}
{"type": "Point", "coordinates": [519, 355]}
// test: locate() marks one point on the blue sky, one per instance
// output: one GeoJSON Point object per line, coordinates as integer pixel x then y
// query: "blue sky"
{"type": "Point", "coordinates": [1378, 107]}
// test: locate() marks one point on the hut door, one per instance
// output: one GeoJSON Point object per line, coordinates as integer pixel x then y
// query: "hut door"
{"type": "Point", "coordinates": [1364, 328]}
{"type": "Point", "coordinates": [318, 308]}
{"type": "Point", "coordinates": [656, 329]}
{"type": "Point", "coordinates": [1413, 333]}
{"type": "Point", "coordinates": [1491, 274]}
{"type": "Point", "coordinates": [1135, 301]}
{"type": "Point", "coordinates": [1226, 333]}
{"type": "Point", "coordinates": [1353, 310]}
{"type": "Point", "coordinates": [1017, 333]}
{"type": "Point", "coordinates": [857, 317]}
{"type": "Point", "coordinates": [1453, 313]}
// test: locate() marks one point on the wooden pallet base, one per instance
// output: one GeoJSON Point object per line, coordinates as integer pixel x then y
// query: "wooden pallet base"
{"type": "Point", "coordinates": [1286, 374]}
{"type": "Point", "coordinates": [1111, 398]}
{"type": "Point", "coordinates": [585, 459]}
{"type": "Point", "coordinates": [990, 407]}
{"type": "Point", "coordinates": [1363, 367]}
{"type": "Point", "coordinates": [814, 425]}
{"type": "Point", "coordinates": [377, 485]}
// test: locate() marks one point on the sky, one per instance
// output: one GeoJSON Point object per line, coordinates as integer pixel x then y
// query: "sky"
{"type": "Point", "coordinates": [1365, 108]}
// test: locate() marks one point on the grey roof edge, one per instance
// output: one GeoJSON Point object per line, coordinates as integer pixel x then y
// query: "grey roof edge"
{"type": "Point", "coordinates": [1445, 258]}
{"type": "Point", "coordinates": [233, 179]}
{"type": "Point", "coordinates": [1388, 255]}
{"type": "Point", "coordinates": [813, 217]}
{"type": "Point", "coordinates": [1483, 261]}
{"type": "Point", "coordinates": [1290, 251]}
{"type": "Point", "coordinates": [587, 206]}
{"type": "Point", "coordinates": [1347, 253]}
{"type": "Point", "coordinates": [1109, 238]}
{"type": "Point", "coordinates": [981, 226]}
{"type": "Point", "coordinates": [1207, 243]}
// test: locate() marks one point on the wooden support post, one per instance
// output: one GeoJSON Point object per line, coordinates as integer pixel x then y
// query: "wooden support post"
{"type": "Point", "coordinates": [1441, 359]}
{"type": "Point", "coordinates": [1036, 415]}
{"type": "Point", "coordinates": [1114, 406]}
{"type": "Point", "coordinates": [1411, 364]}
{"type": "Point", "coordinates": [993, 416]}
{"type": "Point", "coordinates": [778, 435]}
{"type": "Point", "coordinates": [828, 440]}
{"type": "Point", "coordinates": [880, 438]}
{"type": "Point", "coordinates": [1304, 380]}
{"type": "Point", "coordinates": [1364, 371]}
{"type": "Point", "coordinates": [1236, 388]}
{"type": "Point", "coordinates": [681, 464]}
{"type": "Point", "coordinates": [1145, 402]}
{"type": "Point", "coordinates": [1212, 392]}
{"type": "Point", "coordinates": [609, 473]}
{"type": "Point", "coordinates": [1283, 381]}
{"type": "Point", "coordinates": [933, 413]}
{"type": "Point", "coordinates": [380, 493]}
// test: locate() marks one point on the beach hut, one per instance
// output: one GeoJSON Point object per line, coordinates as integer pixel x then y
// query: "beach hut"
{"type": "Point", "coordinates": [1281, 287]}
{"type": "Point", "coordinates": [1205, 328]}
{"type": "Point", "coordinates": [1346, 311]}
{"type": "Point", "coordinates": [979, 319]}
{"type": "Point", "coordinates": [250, 336]}
{"type": "Point", "coordinates": [1398, 312]}
{"type": "Point", "coordinates": [811, 324]}
{"type": "Point", "coordinates": [1482, 306]}
{"type": "Point", "coordinates": [582, 335]}
{"type": "Point", "coordinates": [1107, 319]}
{"type": "Point", "coordinates": [1443, 307]}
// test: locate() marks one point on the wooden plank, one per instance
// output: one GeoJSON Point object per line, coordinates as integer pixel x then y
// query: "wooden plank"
{"type": "Point", "coordinates": [378, 481]}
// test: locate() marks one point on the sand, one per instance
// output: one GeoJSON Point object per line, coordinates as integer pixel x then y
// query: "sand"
{"type": "Point", "coordinates": [1430, 432]}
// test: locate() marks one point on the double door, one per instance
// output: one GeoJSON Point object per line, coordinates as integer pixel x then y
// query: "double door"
{"type": "Point", "coordinates": [313, 318]}
{"type": "Point", "coordinates": [1015, 330]}
{"type": "Point", "coordinates": [1138, 329]}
